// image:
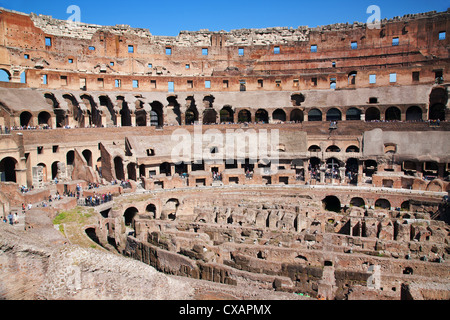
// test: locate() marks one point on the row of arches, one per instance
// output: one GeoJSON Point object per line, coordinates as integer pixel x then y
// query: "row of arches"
{"type": "Point", "coordinates": [332, 203]}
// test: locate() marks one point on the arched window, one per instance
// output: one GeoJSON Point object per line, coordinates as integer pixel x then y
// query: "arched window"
{"type": "Point", "coordinates": [8, 169]}
{"type": "Point", "coordinates": [334, 115]}
{"type": "Point", "coordinates": [353, 114]}
{"type": "Point", "coordinates": [226, 114]}
{"type": "Point", "coordinates": [296, 115]}
{"type": "Point", "coordinates": [244, 116]}
{"type": "Point", "coordinates": [279, 115]}
{"type": "Point", "coordinates": [314, 115]}
{"type": "Point", "coordinates": [413, 113]}
{"type": "Point", "coordinates": [372, 114]}
{"type": "Point", "coordinates": [261, 115]}
{"type": "Point", "coordinates": [393, 114]}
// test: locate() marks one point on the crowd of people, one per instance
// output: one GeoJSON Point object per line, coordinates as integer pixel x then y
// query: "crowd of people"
{"type": "Point", "coordinates": [98, 199]}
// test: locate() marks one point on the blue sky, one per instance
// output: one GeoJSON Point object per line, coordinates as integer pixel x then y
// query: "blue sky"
{"type": "Point", "coordinates": [170, 17]}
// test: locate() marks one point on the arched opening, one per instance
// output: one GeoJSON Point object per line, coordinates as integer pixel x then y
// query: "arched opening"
{"type": "Point", "coordinates": [372, 114]}
{"type": "Point", "coordinates": [105, 102]}
{"type": "Point", "coordinates": [352, 149]}
{"type": "Point", "coordinates": [357, 202]}
{"type": "Point", "coordinates": [261, 115]}
{"type": "Point", "coordinates": [352, 78]}
{"type": "Point", "coordinates": [170, 208]}
{"type": "Point", "coordinates": [164, 168]}
{"type": "Point", "coordinates": [333, 148]}
{"type": "Point", "coordinates": [151, 209]}
{"type": "Point", "coordinates": [5, 76]}
{"type": "Point", "coordinates": [157, 115]}
{"type": "Point", "coordinates": [87, 154]}
{"type": "Point", "coordinates": [279, 115]}
{"type": "Point", "coordinates": [353, 114]}
{"type": "Point", "coordinates": [70, 157]}
{"type": "Point", "coordinates": [141, 117]}
{"type": "Point", "coordinates": [314, 115]}
{"type": "Point", "coordinates": [44, 171]}
{"type": "Point", "coordinates": [244, 116]}
{"type": "Point", "coordinates": [118, 167]}
{"type": "Point", "coordinates": [55, 171]}
{"type": "Point", "coordinates": [26, 119]}
{"type": "Point", "coordinates": [296, 115]}
{"type": "Point", "coordinates": [413, 113]}
{"type": "Point", "coordinates": [125, 112]}
{"type": "Point", "coordinates": [191, 115]}
{"type": "Point", "coordinates": [129, 216]}
{"type": "Point", "coordinates": [90, 232]}
{"type": "Point", "coordinates": [392, 114]}
{"type": "Point", "coordinates": [351, 170]}
{"type": "Point", "coordinates": [8, 169]}
{"type": "Point", "coordinates": [209, 116]}
{"type": "Point", "coordinates": [408, 270]}
{"type": "Point", "coordinates": [44, 118]}
{"type": "Point", "coordinates": [226, 115]}
{"type": "Point", "coordinates": [405, 205]}
{"type": "Point", "coordinates": [314, 148]}
{"type": "Point", "coordinates": [334, 114]}
{"type": "Point", "coordinates": [331, 203]}
{"type": "Point", "coordinates": [437, 112]}
{"type": "Point", "coordinates": [382, 204]}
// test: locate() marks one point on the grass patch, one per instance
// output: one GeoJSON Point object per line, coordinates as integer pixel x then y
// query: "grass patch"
{"type": "Point", "coordinates": [76, 215]}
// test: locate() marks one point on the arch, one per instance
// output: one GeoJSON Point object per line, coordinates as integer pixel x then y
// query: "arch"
{"type": "Point", "coordinates": [392, 114]}
{"type": "Point", "coordinates": [151, 208]}
{"type": "Point", "coordinates": [315, 115]}
{"type": "Point", "coordinates": [331, 203]}
{"type": "Point", "coordinates": [279, 115]}
{"type": "Point", "coordinates": [437, 112]}
{"type": "Point", "coordinates": [87, 154]}
{"type": "Point", "coordinates": [370, 167]}
{"type": "Point", "coordinates": [5, 75]}
{"type": "Point", "coordinates": [357, 202]}
{"type": "Point", "coordinates": [8, 167]}
{"type": "Point", "coordinates": [333, 148]}
{"type": "Point", "coordinates": [405, 205]}
{"type": "Point", "coordinates": [226, 114]}
{"type": "Point", "coordinates": [244, 116]}
{"type": "Point", "coordinates": [296, 115]}
{"type": "Point", "coordinates": [141, 117]}
{"type": "Point", "coordinates": [44, 118]}
{"type": "Point", "coordinates": [70, 157]}
{"type": "Point", "coordinates": [372, 114]}
{"type": "Point", "coordinates": [55, 170]}
{"type": "Point", "coordinates": [129, 214]}
{"type": "Point", "coordinates": [44, 171]}
{"type": "Point", "coordinates": [105, 101]}
{"type": "Point", "coordinates": [26, 119]}
{"type": "Point", "coordinates": [333, 162]}
{"type": "Point", "coordinates": [314, 148]}
{"type": "Point", "coordinates": [352, 77]}
{"type": "Point", "coordinates": [382, 204]}
{"type": "Point", "coordinates": [262, 115]}
{"type": "Point", "coordinates": [170, 208]}
{"type": "Point", "coordinates": [353, 114]}
{"type": "Point", "coordinates": [436, 186]}
{"type": "Point", "coordinates": [352, 148]}
{"type": "Point", "coordinates": [191, 115]}
{"type": "Point", "coordinates": [157, 114]}
{"type": "Point", "coordinates": [118, 168]}
{"type": "Point", "coordinates": [334, 114]}
{"type": "Point", "coordinates": [414, 113]}
{"type": "Point", "coordinates": [125, 112]}
{"type": "Point", "coordinates": [209, 116]}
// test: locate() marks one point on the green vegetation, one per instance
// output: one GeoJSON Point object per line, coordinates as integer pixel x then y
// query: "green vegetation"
{"type": "Point", "coordinates": [77, 215]}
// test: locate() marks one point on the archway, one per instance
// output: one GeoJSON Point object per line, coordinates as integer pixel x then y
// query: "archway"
{"type": "Point", "coordinates": [44, 118]}
{"type": "Point", "coordinates": [8, 169]}
{"type": "Point", "coordinates": [357, 202]}
{"type": "Point", "coordinates": [261, 115]}
{"type": "Point", "coordinates": [157, 114]}
{"type": "Point", "coordinates": [55, 170]}
{"type": "Point", "coordinates": [125, 112]}
{"type": "Point", "coordinates": [314, 115]}
{"type": "Point", "coordinates": [413, 113]}
{"type": "Point", "coordinates": [191, 115]}
{"type": "Point", "coordinates": [151, 209]}
{"type": "Point", "coordinates": [334, 114]}
{"type": "Point", "coordinates": [209, 116]}
{"type": "Point", "coordinates": [131, 170]}
{"type": "Point", "coordinates": [87, 154]}
{"type": "Point", "coordinates": [244, 116]}
{"type": "Point", "coordinates": [5, 76]}
{"type": "Point", "coordinates": [372, 114]}
{"type": "Point", "coordinates": [226, 115]}
{"type": "Point", "coordinates": [279, 115]}
{"type": "Point", "coordinates": [382, 204]}
{"type": "Point", "coordinates": [70, 157]}
{"type": "Point", "coordinates": [170, 208]}
{"type": "Point", "coordinates": [353, 114]}
{"type": "Point", "coordinates": [296, 115]}
{"type": "Point", "coordinates": [331, 203]}
{"type": "Point", "coordinates": [333, 148]}
{"type": "Point", "coordinates": [141, 117]}
{"type": "Point", "coordinates": [26, 119]}
{"type": "Point", "coordinates": [392, 114]}
{"type": "Point", "coordinates": [129, 215]}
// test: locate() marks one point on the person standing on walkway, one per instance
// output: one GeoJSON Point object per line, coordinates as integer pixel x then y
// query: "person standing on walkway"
{"type": "Point", "coordinates": [10, 218]}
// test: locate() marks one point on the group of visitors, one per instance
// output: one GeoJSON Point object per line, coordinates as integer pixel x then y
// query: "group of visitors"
{"type": "Point", "coordinates": [12, 219]}
{"type": "Point", "coordinates": [96, 199]}
{"type": "Point", "coordinates": [217, 176]}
